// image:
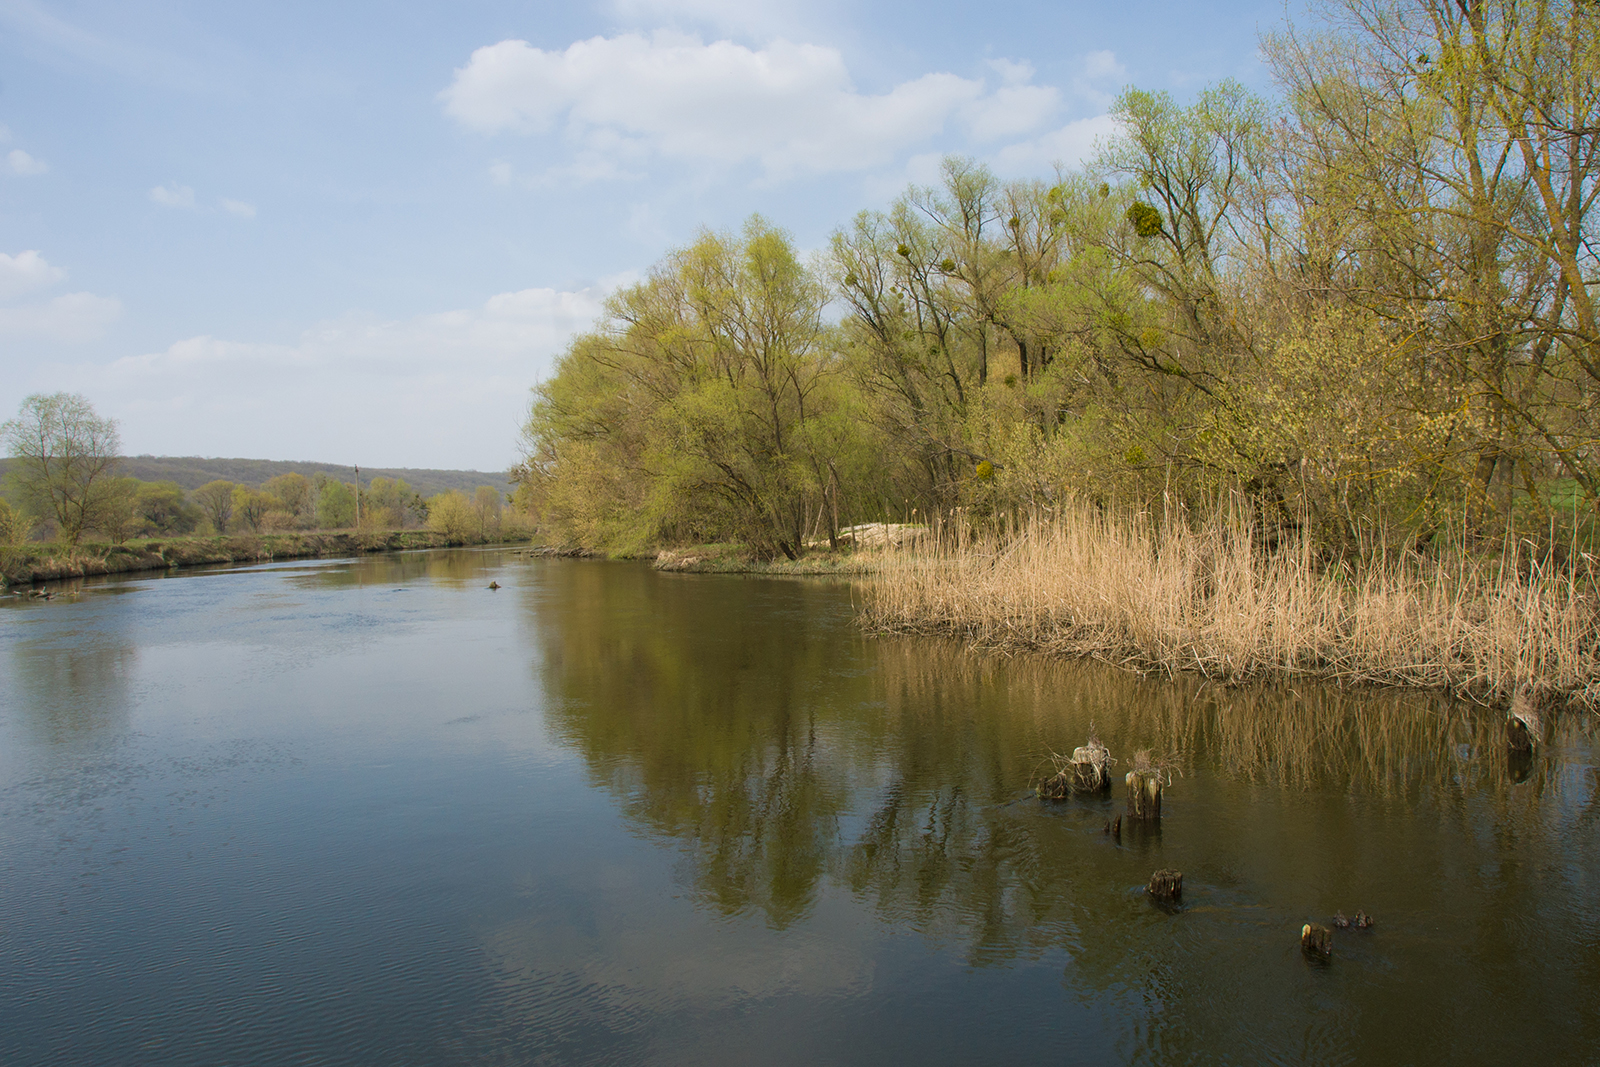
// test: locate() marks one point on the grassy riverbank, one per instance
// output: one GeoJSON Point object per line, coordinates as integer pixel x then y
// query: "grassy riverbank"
{"type": "Point", "coordinates": [1210, 599]}
{"type": "Point", "coordinates": [24, 564]}
{"type": "Point", "coordinates": [737, 559]}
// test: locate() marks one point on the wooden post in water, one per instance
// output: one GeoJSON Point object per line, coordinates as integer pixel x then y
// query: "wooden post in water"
{"type": "Point", "coordinates": [1166, 886]}
{"type": "Point", "coordinates": [1144, 794]}
{"type": "Point", "coordinates": [1316, 941]}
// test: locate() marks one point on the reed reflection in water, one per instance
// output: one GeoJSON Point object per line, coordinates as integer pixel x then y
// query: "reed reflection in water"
{"type": "Point", "coordinates": [785, 755]}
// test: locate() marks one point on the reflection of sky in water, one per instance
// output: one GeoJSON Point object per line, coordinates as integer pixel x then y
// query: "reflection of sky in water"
{"type": "Point", "coordinates": [370, 810]}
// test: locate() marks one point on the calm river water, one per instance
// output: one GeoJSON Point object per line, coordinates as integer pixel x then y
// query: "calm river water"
{"type": "Point", "coordinates": [372, 812]}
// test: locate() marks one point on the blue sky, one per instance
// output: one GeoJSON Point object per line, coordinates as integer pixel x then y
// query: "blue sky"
{"type": "Point", "coordinates": [358, 232]}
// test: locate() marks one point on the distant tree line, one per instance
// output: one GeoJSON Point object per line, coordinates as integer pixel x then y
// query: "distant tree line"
{"type": "Point", "coordinates": [1368, 305]}
{"type": "Point", "coordinates": [63, 484]}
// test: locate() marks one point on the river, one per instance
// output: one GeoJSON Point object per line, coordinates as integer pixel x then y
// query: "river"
{"type": "Point", "coordinates": [373, 811]}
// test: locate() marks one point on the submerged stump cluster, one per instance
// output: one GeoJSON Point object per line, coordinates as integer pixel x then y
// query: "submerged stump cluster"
{"type": "Point", "coordinates": [1087, 772]}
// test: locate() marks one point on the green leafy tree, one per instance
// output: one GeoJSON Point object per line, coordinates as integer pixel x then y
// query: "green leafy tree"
{"type": "Point", "coordinates": [1445, 153]}
{"type": "Point", "coordinates": [13, 527]}
{"type": "Point", "coordinates": [453, 515]}
{"type": "Point", "coordinates": [215, 500]}
{"type": "Point", "coordinates": [391, 502]}
{"type": "Point", "coordinates": [291, 494]}
{"type": "Point", "coordinates": [164, 510]}
{"type": "Point", "coordinates": [119, 517]}
{"type": "Point", "coordinates": [692, 411]}
{"type": "Point", "coordinates": [486, 506]}
{"type": "Point", "coordinates": [65, 455]}
{"type": "Point", "coordinates": [336, 505]}
{"type": "Point", "coordinates": [251, 507]}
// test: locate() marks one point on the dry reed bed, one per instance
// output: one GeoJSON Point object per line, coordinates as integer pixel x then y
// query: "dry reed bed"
{"type": "Point", "coordinates": [1211, 599]}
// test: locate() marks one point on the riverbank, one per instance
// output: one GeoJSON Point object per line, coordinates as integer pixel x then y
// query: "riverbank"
{"type": "Point", "coordinates": [736, 559]}
{"type": "Point", "coordinates": [859, 550]}
{"type": "Point", "coordinates": [1209, 599]}
{"type": "Point", "coordinates": [27, 564]}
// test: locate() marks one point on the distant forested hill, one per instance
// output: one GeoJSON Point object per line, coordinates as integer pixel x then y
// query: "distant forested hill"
{"type": "Point", "coordinates": [191, 472]}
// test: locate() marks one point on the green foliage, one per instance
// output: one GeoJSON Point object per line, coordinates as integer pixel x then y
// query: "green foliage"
{"type": "Point", "coordinates": [64, 457]}
{"type": "Point", "coordinates": [118, 516]}
{"type": "Point", "coordinates": [701, 408]}
{"type": "Point", "coordinates": [335, 503]}
{"type": "Point", "coordinates": [13, 527]}
{"type": "Point", "coordinates": [215, 501]}
{"type": "Point", "coordinates": [251, 507]}
{"type": "Point", "coordinates": [1370, 310]}
{"type": "Point", "coordinates": [390, 504]}
{"type": "Point", "coordinates": [291, 494]}
{"type": "Point", "coordinates": [1145, 219]}
{"type": "Point", "coordinates": [164, 510]}
{"type": "Point", "coordinates": [454, 516]}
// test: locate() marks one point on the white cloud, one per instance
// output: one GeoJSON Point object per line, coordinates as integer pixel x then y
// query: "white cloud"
{"type": "Point", "coordinates": [22, 163]}
{"type": "Point", "coordinates": [25, 272]}
{"type": "Point", "coordinates": [1011, 110]}
{"type": "Point", "coordinates": [1069, 145]}
{"type": "Point", "coordinates": [1103, 64]}
{"type": "Point", "coordinates": [239, 207]}
{"type": "Point", "coordinates": [173, 195]}
{"type": "Point", "coordinates": [1098, 79]}
{"type": "Point", "coordinates": [442, 389]}
{"type": "Point", "coordinates": [1013, 71]}
{"type": "Point", "coordinates": [789, 107]}
{"type": "Point", "coordinates": [69, 318]}
{"type": "Point", "coordinates": [921, 169]}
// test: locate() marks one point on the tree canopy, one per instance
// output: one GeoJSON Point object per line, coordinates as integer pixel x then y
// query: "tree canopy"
{"type": "Point", "coordinates": [1367, 305]}
{"type": "Point", "coordinates": [66, 455]}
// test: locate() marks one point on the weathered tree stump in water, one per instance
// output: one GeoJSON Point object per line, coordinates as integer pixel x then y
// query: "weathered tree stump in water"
{"type": "Point", "coordinates": [1088, 771]}
{"type": "Point", "coordinates": [1144, 795]}
{"type": "Point", "coordinates": [1114, 828]}
{"type": "Point", "coordinates": [1166, 886]}
{"type": "Point", "coordinates": [1091, 771]}
{"type": "Point", "coordinates": [1316, 941]}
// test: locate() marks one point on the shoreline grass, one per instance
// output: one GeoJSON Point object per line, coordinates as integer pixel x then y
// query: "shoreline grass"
{"type": "Point", "coordinates": [33, 563]}
{"type": "Point", "coordinates": [1171, 596]}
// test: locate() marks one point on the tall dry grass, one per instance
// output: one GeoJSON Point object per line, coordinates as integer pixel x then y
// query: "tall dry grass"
{"type": "Point", "coordinates": [1207, 596]}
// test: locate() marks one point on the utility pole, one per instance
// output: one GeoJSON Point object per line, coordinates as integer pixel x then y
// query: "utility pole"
{"type": "Point", "coordinates": [358, 498]}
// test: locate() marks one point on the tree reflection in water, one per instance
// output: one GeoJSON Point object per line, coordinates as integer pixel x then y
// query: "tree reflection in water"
{"type": "Point", "coordinates": [749, 720]}
{"type": "Point", "coordinates": [751, 724]}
